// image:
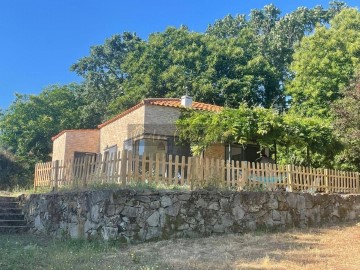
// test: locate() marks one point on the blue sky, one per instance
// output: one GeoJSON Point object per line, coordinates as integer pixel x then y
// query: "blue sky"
{"type": "Point", "coordinates": [40, 39]}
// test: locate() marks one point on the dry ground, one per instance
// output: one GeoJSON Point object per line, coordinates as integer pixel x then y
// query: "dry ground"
{"type": "Point", "coordinates": [325, 248]}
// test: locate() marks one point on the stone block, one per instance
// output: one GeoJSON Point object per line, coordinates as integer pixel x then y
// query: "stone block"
{"type": "Point", "coordinates": [276, 215]}
{"type": "Point", "coordinates": [154, 219]}
{"type": "Point", "coordinates": [214, 206]}
{"type": "Point", "coordinates": [238, 212]}
{"type": "Point", "coordinates": [173, 210]}
{"type": "Point", "coordinates": [165, 201]}
{"type": "Point", "coordinates": [184, 197]}
{"type": "Point", "coordinates": [130, 211]}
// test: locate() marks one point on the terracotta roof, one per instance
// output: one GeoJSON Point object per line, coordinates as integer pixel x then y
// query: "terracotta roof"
{"type": "Point", "coordinates": [167, 102]}
{"type": "Point", "coordinates": [176, 102]}
{"type": "Point", "coordinates": [69, 130]}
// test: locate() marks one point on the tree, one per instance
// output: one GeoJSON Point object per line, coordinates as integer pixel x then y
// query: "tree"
{"type": "Point", "coordinates": [27, 126]}
{"type": "Point", "coordinates": [275, 38]}
{"type": "Point", "coordinates": [347, 123]}
{"type": "Point", "coordinates": [103, 75]}
{"type": "Point", "coordinates": [324, 63]}
{"type": "Point", "coordinates": [12, 172]}
{"type": "Point", "coordinates": [222, 72]}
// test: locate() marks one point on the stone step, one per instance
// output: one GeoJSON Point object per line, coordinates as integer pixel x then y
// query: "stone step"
{"type": "Point", "coordinates": [10, 211]}
{"type": "Point", "coordinates": [13, 229]}
{"type": "Point", "coordinates": [5, 204]}
{"type": "Point", "coordinates": [9, 199]}
{"type": "Point", "coordinates": [10, 216]}
{"type": "Point", "coordinates": [12, 223]}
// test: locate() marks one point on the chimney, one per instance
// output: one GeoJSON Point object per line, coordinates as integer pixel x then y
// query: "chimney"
{"type": "Point", "coordinates": [186, 101]}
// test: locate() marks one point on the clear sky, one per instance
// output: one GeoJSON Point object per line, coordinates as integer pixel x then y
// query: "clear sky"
{"type": "Point", "coordinates": [40, 39]}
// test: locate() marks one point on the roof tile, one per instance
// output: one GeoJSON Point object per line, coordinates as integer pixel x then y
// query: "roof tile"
{"type": "Point", "coordinates": [167, 102]}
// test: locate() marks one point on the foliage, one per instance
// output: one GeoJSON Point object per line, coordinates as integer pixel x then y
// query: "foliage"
{"type": "Point", "coordinates": [27, 126]}
{"type": "Point", "coordinates": [104, 75]}
{"type": "Point", "coordinates": [324, 63]}
{"type": "Point", "coordinates": [295, 136]}
{"type": "Point", "coordinates": [12, 172]}
{"type": "Point", "coordinates": [238, 60]}
{"type": "Point", "coordinates": [211, 70]}
{"type": "Point", "coordinates": [347, 124]}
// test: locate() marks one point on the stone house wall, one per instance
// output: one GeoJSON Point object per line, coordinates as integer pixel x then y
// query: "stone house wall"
{"type": "Point", "coordinates": [160, 120]}
{"type": "Point", "coordinates": [131, 216]}
{"type": "Point", "coordinates": [116, 132]}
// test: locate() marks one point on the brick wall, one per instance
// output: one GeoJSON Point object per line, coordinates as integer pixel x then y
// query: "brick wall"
{"type": "Point", "coordinates": [82, 141]}
{"type": "Point", "coordinates": [75, 140]}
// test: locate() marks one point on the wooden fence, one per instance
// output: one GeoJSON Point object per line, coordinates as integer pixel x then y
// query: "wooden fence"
{"type": "Point", "coordinates": [125, 168]}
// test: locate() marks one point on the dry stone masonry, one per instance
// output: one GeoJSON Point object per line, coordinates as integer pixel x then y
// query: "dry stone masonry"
{"type": "Point", "coordinates": [138, 216]}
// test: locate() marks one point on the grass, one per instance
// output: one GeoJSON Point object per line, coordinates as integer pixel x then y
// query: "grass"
{"type": "Point", "coordinates": [325, 248]}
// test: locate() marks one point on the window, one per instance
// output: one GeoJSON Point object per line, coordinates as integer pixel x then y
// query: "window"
{"type": "Point", "coordinates": [249, 152]}
{"type": "Point", "coordinates": [150, 146]}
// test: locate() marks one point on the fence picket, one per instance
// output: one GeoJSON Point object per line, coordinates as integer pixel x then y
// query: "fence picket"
{"type": "Point", "coordinates": [124, 168]}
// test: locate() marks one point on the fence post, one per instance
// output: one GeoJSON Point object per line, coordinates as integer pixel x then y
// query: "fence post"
{"type": "Point", "coordinates": [358, 182]}
{"type": "Point", "coordinates": [56, 174]}
{"type": "Point", "coordinates": [86, 171]}
{"type": "Point", "coordinates": [192, 172]}
{"type": "Point", "coordinates": [244, 173]}
{"type": "Point", "coordinates": [290, 178]}
{"type": "Point", "coordinates": [35, 176]}
{"type": "Point", "coordinates": [326, 179]}
{"type": "Point", "coordinates": [123, 167]}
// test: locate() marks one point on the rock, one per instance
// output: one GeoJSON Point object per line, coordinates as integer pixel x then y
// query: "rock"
{"type": "Point", "coordinates": [130, 211]}
{"type": "Point", "coordinates": [109, 233]}
{"type": "Point", "coordinates": [254, 208]}
{"type": "Point", "coordinates": [155, 204]}
{"type": "Point", "coordinates": [283, 206]}
{"type": "Point", "coordinates": [163, 217]}
{"type": "Point", "coordinates": [201, 203]}
{"type": "Point", "coordinates": [143, 199]}
{"type": "Point", "coordinates": [153, 232]}
{"type": "Point", "coordinates": [110, 210]}
{"type": "Point", "coordinates": [292, 200]}
{"type": "Point", "coordinates": [165, 201]}
{"type": "Point", "coordinates": [173, 210]}
{"type": "Point", "coordinates": [95, 209]}
{"type": "Point", "coordinates": [38, 224]}
{"type": "Point", "coordinates": [276, 215]}
{"type": "Point", "coordinates": [301, 203]}
{"type": "Point", "coordinates": [154, 219]}
{"type": "Point", "coordinates": [74, 230]}
{"type": "Point", "coordinates": [89, 226]}
{"type": "Point", "coordinates": [184, 197]}
{"type": "Point", "coordinates": [224, 204]}
{"type": "Point", "coordinates": [214, 206]}
{"type": "Point", "coordinates": [238, 213]}
{"type": "Point", "coordinates": [184, 226]}
{"type": "Point", "coordinates": [273, 204]}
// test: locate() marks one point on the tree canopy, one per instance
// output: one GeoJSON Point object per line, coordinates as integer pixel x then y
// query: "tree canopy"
{"type": "Point", "coordinates": [324, 63]}
{"type": "Point", "coordinates": [283, 79]}
{"type": "Point", "coordinates": [29, 123]}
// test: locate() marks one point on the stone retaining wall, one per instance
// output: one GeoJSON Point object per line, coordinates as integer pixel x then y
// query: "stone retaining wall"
{"type": "Point", "coordinates": [133, 216]}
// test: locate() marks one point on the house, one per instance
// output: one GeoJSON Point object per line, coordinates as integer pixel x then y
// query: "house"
{"type": "Point", "coordinates": [146, 127]}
